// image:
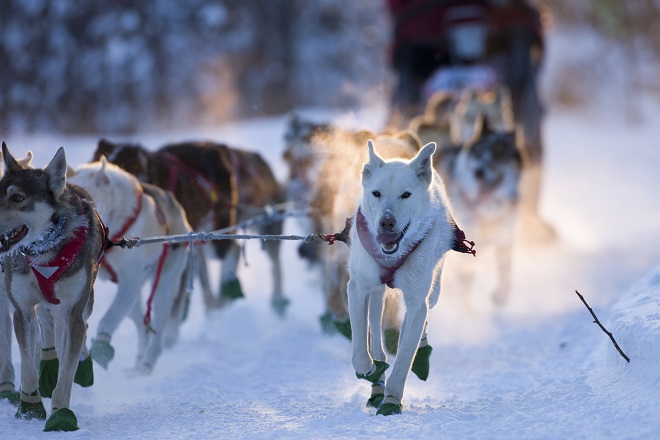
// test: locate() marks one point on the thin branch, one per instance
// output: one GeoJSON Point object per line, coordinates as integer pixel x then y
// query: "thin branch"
{"type": "Point", "coordinates": [603, 328]}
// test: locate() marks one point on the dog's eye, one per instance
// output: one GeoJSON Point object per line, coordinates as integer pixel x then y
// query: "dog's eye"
{"type": "Point", "coordinates": [17, 198]}
{"type": "Point", "coordinates": [376, 194]}
{"type": "Point", "coordinates": [405, 195]}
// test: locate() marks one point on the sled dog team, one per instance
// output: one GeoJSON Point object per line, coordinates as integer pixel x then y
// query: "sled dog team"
{"type": "Point", "coordinates": [58, 228]}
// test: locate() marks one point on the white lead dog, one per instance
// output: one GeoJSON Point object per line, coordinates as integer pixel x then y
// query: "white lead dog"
{"type": "Point", "coordinates": [401, 231]}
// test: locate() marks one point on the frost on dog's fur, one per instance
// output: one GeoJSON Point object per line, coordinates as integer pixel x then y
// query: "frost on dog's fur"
{"type": "Point", "coordinates": [401, 232]}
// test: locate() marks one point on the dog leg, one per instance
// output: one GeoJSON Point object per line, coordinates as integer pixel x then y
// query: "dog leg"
{"type": "Point", "coordinates": [128, 294]}
{"type": "Point", "coordinates": [411, 334]}
{"type": "Point", "coordinates": [358, 306]}
{"type": "Point", "coordinates": [335, 279]}
{"type": "Point", "coordinates": [25, 326]}
{"type": "Point", "coordinates": [376, 308]}
{"type": "Point", "coordinates": [164, 297]}
{"type": "Point", "coordinates": [230, 287]}
{"type": "Point", "coordinates": [421, 363]}
{"type": "Point", "coordinates": [504, 257]}
{"type": "Point", "coordinates": [137, 316]}
{"type": "Point", "coordinates": [278, 301]}
{"type": "Point", "coordinates": [202, 272]}
{"type": "Point", "coordinates": [49, 365]}
{"type": "Point", "coordinates": [391, 322]}
{"type": "Point", "coordinates": [7, 374]}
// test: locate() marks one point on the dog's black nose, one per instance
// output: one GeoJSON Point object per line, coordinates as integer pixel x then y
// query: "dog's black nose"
{"type": "Point", "coordinates": [387, 223]}
{"type": "Point", "coordinates": [479, 173]}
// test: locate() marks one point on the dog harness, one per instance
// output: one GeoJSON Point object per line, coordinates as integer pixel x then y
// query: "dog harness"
{"type": "Point", "coordinates": [387, 267]}
{"type": "Point", "coordinates": [49, 273]}
{"type": "Point", "coordinates": [139, 192]}
{"type": "Point", "coordinates": [178, 168]}
{"type": "Point", "coordinates": [127, 224]}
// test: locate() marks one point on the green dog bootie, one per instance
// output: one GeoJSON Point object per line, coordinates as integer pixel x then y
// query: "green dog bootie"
{"type": "Point", "coordinates": [374, 377]}
{"type": "Point", "coordinates": [391, 337]}
{"type": "Point", "coordinates": [421, 363]}
{"type": "Point", "coordinates": [388, 409]}
{"type": "Point", "coordinates": [13, 397]}
{"type": "Point", "coordinates": [62, 419]}
{"type": "Point", "coordinates": [343, 327]}
{"type": "Point", "coordinates": [102, 352]}
{"type": "Point", "coordinates": [377, 394]}
{"type": "Point", "coordinates": [85, 373]}
{"type": "Point", "coordinates": [48, 370]}
{"type": "Point", "coordinates": [29, 411]}
{"type": "Point", "coordinates": [231, 290]}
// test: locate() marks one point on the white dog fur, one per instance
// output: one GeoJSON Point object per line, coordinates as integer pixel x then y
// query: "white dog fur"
{"type": "Point", "coordinates": [406, 197]}
{"type": "Point", "coordinates": [115, 193]}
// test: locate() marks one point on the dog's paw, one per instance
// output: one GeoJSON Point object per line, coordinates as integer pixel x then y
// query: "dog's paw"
{"type": "Point", "coordinates": [48, 370]}
{"type": "Point", "coordinates": [390, 406]}
{"type": "Point", "coordinates": [102, 352]}
{"type": "Point", "coordinates": [12, 397]}
{"type": "Point", "coordinates": [85, 373]}
{"type": "Point", "coordinates": [62, 419]}
{"type": "Point", "coordinates": [421, 364]}
{"type": "Point", "coordinates": [377, 395]}
{"type": "Point", "coordinates": [343, 327]}
{"type": "Point", "coordinates": [374, 376]}
{"type": "Point", "coordinates": [391, 338]}
{"type": "Point", "coordinates": [29, 411]}
{"type": "Point", "coordinates": [280, 304]}
{"type": "Point", "coordinates": [231, 290]}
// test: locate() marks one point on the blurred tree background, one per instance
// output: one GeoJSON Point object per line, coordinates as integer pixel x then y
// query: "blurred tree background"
{"type": "Point", "coordinates": [120, 66]}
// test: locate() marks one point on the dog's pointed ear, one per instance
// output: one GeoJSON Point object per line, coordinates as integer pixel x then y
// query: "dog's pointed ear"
{"type": "Point", "coordinates": [373, 164]}
{"type": "Point", "coordinates": [410, 138]}
{"type": "Point", "coordinates": [56, 172]}
{"type": "Point", "coordinates": [103, 148]}
{"type": "Point", "coordinates": [26, 162]}
{"type": "Point", "coordinates": [10, 162]}
{"type": "Point", "coordinates": [422, 164]}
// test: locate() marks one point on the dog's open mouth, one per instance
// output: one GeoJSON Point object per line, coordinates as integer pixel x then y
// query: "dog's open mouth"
{"type": "Point", "coordinates": [389, 241]}
{"type": "Point", "coordinates": [12, 237]}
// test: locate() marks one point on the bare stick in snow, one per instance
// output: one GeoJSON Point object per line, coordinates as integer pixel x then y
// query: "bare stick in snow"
{"type": "Point", "coordinates": [603, 328]}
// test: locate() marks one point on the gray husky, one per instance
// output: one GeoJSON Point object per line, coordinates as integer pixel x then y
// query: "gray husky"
{"type": "Point", "coordinates": [483, 181]}
{"type": "Point", "coordinates": [51, 242]}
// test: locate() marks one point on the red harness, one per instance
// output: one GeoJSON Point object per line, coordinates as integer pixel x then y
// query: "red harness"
{"type": "Point", "coordinates": [49, 273]}
{"type": "Point", "coordinates": [161, 259]}
{"type": "Point", "coordinates": [127, 224]}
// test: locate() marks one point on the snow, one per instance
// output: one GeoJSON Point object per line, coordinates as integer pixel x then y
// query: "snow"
{"type": "Point", "coordinates": [538, 368]}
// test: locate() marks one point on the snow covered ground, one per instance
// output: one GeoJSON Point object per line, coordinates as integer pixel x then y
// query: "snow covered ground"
{"type": "Point", "coordinates": [538, 368]}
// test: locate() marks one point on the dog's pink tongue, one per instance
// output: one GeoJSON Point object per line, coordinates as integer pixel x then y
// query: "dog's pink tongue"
{"type": "Point", "coordinates": [387, 237]}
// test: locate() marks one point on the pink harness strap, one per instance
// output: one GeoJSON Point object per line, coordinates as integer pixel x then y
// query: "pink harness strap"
{"type": "Point", "coordinates": [387, 267]}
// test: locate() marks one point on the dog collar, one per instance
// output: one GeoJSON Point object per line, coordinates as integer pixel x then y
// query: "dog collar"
{"type": "Point", "coordinates": [48, 274]}
{"type": "Point", "coordinates": [387, 267]}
